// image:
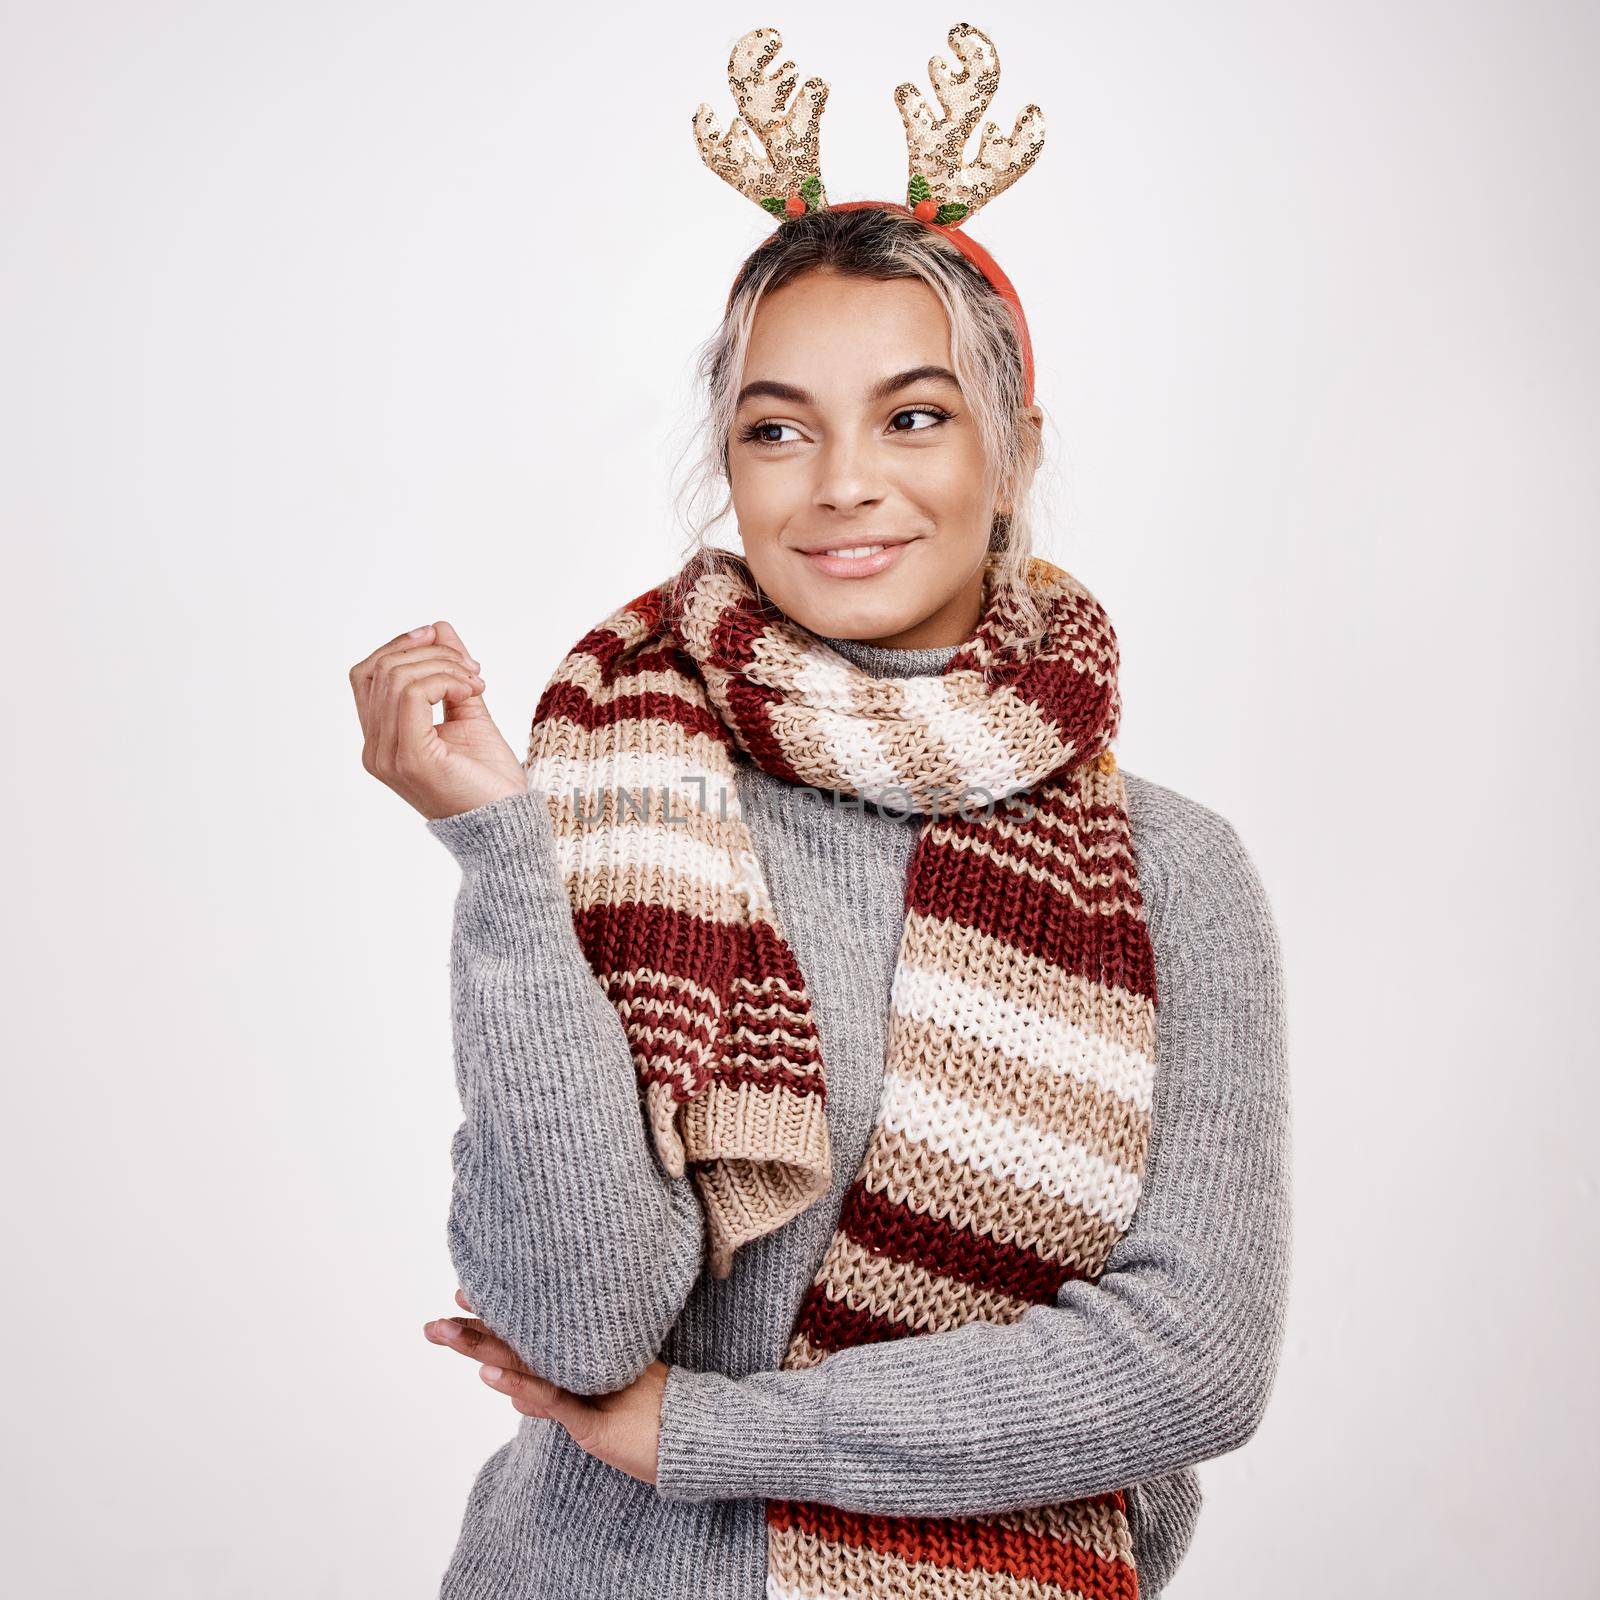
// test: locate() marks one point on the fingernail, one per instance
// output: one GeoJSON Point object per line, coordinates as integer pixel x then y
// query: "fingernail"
{"type": "Point", "coordinates": [417, 633]}
{"type": "Point", "coordinates": [492, 1374]}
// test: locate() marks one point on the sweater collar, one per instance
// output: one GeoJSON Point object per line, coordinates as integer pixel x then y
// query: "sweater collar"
{"type": "Point", "coordinates": [885, 661]}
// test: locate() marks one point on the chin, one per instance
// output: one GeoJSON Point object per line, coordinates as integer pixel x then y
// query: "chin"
{"type": "Point", "coordinates": [861, 615]}
{"type": "Point", "coordinates": [860, 608]}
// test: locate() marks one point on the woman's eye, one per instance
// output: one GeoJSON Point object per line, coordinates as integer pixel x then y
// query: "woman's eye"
{"type": "Point", "coordinates": [758, 432]}
{"type": "Point", "coordinates": [934, 415]}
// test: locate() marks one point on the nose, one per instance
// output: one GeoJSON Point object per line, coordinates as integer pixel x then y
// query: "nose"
{"type": "Point", "coordinates": [847, 477]}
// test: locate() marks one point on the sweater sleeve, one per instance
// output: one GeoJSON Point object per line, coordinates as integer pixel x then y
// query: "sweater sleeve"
{"type": "Point", "coordinates": [567, 1234]}
{"type": "Point", "coordinates": [1165, 1361]}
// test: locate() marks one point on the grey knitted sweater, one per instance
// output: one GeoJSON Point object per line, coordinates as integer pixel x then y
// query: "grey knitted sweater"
{"type": "Point", "coordinates": [572, 1242]}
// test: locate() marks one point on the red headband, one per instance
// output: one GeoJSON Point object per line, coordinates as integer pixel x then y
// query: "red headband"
{"type": "Point", "coordinates": [980, 258]}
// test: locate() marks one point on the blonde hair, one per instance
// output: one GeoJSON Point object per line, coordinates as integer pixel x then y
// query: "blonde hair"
{"type": "Point", "coordinates": [984, 350]}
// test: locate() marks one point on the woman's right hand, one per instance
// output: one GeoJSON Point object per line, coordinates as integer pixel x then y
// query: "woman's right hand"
{"type": "Point", "coordinates": [457, 766]}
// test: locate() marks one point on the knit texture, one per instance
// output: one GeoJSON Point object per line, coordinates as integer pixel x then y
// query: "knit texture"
{"type": "Point", "coordinates": [572, 1241]}
{"type": "Point", "coordinates": [1011, 1133]}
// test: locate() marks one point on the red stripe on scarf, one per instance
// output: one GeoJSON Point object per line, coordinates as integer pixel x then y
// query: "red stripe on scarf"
{"type": "Point", "coordinates": [969, 1544]}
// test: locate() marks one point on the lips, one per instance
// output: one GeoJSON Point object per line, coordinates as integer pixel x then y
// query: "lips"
{"type": "Point", "coordinates": [855, 566]}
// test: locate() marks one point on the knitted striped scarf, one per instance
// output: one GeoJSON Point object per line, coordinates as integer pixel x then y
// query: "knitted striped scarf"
{"type": "Point", "coordinates": [1009, 1147]}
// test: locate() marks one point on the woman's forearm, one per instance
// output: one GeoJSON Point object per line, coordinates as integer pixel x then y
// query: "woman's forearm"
{"type": "Point", "coordinates": [1166, 1361]}
{"type": "Point", "coordinates": [569, 1238]}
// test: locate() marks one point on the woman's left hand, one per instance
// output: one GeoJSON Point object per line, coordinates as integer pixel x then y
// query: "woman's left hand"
{"type": "Point", "coordinates": [622, 1429]}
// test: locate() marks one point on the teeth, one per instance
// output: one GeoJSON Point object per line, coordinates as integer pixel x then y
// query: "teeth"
{"type": "Point", "coordinates": [859, 551]}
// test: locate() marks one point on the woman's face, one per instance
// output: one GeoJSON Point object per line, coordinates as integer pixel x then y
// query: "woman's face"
{"type": "Point", "coordinates": [851, 432]}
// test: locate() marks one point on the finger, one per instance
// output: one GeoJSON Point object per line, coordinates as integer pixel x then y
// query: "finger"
{"type": "Point", "coordinates": [462, 711]}
{"type": "Point", "coordinates": [405, 714]}
{"type": "Point", "coordinates": [376, 672]}
{"type": "Point", "coordinates": [408, 645]}
{"type": "Point", "coordinates": [363, 672]}
{"type": "Point", "coordinates": [416, 650]}
{"type": "Point", "coordinates": [372, 680]}
{"type": "Point", "coordinates": [392, 666]}
{"type": "Point", "coordinates": [473, 1338]}
{"type": "Point", "coordinates": [402, 711]}
{"type": "Point", "coordinates": [446, 634]}
{"type": "Point", "coordinates": [537, 1397]}
{"type": "Point", "coordinates": [422, 635]}
{"type": "Point", "coordinates": [461, 1299]}
{"type": "Point", "coordinates": [400, 654]}
{"type": "Point", "coordinates": [395, 666]}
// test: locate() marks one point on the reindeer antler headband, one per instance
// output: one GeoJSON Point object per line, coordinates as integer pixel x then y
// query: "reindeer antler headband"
{"type": "Point", "coordinates": [770, 155]}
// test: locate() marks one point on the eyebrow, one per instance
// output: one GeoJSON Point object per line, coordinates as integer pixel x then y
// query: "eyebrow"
{"type": "Point", "coordinates": [770, 388]}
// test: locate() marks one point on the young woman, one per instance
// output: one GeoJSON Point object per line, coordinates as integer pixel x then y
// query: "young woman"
{"type": "Point", "coordinates": [874, 1168]}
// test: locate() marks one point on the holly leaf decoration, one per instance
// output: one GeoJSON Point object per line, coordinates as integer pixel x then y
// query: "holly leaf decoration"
{"type": "Point", "coordinates": [811, 190]}
{"type": "Point", "coordinates": [950, 211]}
{"type": "Point", "coordinates": [918, 189]}
{"type": "Point", "coordinates": [776, 204]}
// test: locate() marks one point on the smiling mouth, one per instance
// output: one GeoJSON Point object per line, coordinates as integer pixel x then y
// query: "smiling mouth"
{"type": "Point", "coordinates": [855, 552]}
{"type": "Point", "coordinates": [855, 560]}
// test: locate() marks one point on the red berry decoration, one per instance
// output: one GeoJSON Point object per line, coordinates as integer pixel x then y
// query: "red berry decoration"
{"type": "Point", "coordinates": [925, 211]}
{"type": "Point", "coordinates": [794, 205]}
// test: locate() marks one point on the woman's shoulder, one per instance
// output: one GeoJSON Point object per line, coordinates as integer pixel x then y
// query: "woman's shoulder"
{"type": "Point", "coordinates": [1203, 893]}
{"type": "Point", "coordinates": [1168, 825]}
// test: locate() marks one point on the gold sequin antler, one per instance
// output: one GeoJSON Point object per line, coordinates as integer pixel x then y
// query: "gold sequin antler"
{"type": "Point", "coordinates": [944, 187]}
{"type": "Point", "coordinates": [768, 154]}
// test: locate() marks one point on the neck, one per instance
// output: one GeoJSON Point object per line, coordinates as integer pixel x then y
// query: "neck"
{"type": "Point", "coordinates": [893, 661]}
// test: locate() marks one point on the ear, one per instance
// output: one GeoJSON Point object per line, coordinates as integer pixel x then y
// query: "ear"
{"type": "Point", "coordinates": [1032, 419]}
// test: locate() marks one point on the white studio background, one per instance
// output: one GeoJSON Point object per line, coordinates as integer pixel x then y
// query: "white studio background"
{"type": "Point", "coordinates": [320, 321]}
